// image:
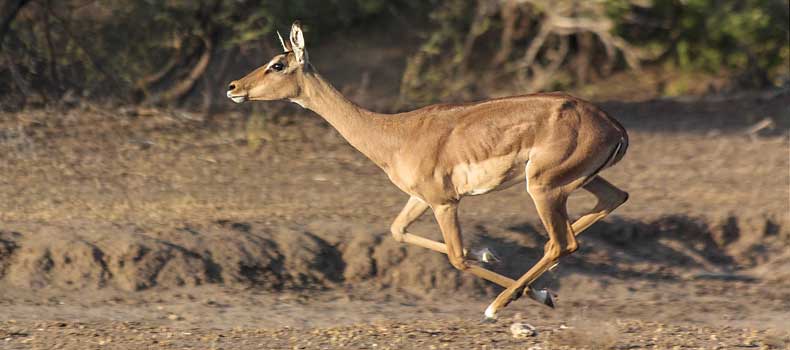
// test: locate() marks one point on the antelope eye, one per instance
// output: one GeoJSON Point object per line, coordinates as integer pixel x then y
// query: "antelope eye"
{"type": "Point", "coordinates": [278, 66]}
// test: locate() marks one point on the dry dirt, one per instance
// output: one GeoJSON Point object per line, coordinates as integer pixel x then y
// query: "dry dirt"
{"type": "Point", "coordinates": [132, 229]}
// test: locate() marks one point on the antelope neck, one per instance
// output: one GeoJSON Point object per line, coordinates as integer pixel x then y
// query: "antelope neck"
{"type": "Point", "coordinates": [373, 134]}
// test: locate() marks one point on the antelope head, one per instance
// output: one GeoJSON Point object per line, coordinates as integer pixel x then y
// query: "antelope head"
{"type": "Point", "coordinates": [279, 79]}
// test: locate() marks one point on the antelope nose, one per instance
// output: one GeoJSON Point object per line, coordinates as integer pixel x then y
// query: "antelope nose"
{"type": "Point", "coordinates": [232, 86]}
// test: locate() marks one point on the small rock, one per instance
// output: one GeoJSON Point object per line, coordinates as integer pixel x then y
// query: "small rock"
{"type": "Point", "coordinates": [522, 330]}
{"type": "Point", "coordinates": [174, 317]}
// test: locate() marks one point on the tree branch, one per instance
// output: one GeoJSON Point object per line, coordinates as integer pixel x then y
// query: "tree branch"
{"type": "Point", "coordinates": [183, 87]}
{"type": "Point", "coordinates": [10, 10]}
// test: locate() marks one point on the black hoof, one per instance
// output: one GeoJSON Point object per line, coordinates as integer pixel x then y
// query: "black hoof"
{"type": "Point", "coordinates": [488, 320]}
{"type": "Point", "coordinates": [542, 296]}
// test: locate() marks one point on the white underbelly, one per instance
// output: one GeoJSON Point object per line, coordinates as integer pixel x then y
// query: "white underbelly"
{"type": "Point", "coordinates": [490, 175]}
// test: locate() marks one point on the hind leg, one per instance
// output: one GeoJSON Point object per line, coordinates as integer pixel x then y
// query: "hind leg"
{"type": "Point", "coordinates": [551, 177]}
{"type": "Point", "coordinates": [550, 204]}
{"type": "Point", "coordinates": [609, 198]}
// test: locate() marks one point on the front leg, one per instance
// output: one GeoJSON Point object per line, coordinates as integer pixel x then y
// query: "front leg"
{"type": "Point", "coordinates": [416, 207]}
{"type": "Point", "coordinates": [447, 217]}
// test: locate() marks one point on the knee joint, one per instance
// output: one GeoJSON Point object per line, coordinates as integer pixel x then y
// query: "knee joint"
{"type": "Point", "coordinates": [557, 251]}
{"type": "Point", "coordinates": [398, 232]}
{"type": "Point", "coordinates": [570, 248]}
{"type": "Point", "coordinates": [458, 262]}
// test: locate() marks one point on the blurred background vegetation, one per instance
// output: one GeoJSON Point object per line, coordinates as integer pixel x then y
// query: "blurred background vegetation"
{"type": "Point", "coordinates": [182, 52]}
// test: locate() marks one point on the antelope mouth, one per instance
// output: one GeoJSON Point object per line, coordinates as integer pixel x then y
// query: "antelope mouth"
{"type": "Point", "coordinates": [237, 99]}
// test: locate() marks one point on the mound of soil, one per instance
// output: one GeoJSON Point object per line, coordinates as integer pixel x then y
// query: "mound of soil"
{"type": "Point", "coordinates": [253, 255]}
{"type": "Point", "coordinates": [234, 254]}
{"type": "Point", "coordinates": [230, 254]}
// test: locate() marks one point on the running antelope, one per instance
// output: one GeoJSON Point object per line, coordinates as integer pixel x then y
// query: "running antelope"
{"type": "Point", "coordinates": [554, 142]}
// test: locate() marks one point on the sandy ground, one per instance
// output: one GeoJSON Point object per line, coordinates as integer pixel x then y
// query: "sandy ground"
{"type": "Point", "coordinates": [133, 229]}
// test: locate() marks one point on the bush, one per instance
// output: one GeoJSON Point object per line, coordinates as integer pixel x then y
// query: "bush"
{"type": "Point", "coordinates": [159, 51]}
{"type": "Point", "coordinates": [746, 37]}
{"type": "Point", "coordinates": [538, 44]}
{"type": "Point", "coordinates": [148, 51]}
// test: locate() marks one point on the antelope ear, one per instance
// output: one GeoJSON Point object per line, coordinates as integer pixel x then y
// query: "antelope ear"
{"type": "Point", "coordinates": [297, 42]}
{"type": "Point", "coordinates": [282, 42]}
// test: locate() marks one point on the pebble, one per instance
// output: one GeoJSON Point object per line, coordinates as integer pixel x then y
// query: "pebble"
{"type": "Point", "coordinates": [522, 330]}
